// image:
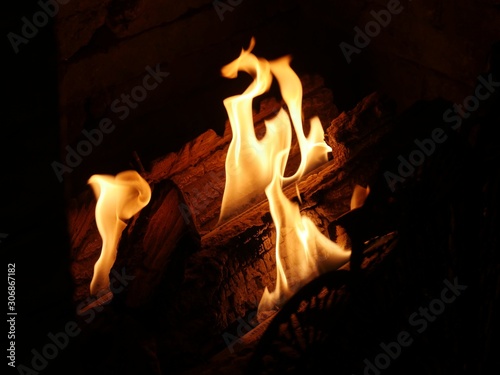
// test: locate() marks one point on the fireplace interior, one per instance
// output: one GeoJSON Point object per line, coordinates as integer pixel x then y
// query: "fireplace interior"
{"type": "Point", "coordinates": [409, 187]}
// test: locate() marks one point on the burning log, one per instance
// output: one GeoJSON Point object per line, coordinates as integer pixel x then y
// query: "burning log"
{"type": "Point", "coordinates": [204, 291]}
{"type": "Point", "coordinates": [194, 276]}
{"type": "Point", "coordinates": [369, 220]}
{"type": "Point", "coordinates": [144, 250]}
{"type": "Point", "coordinates": [198, 169]}
{"type": "Point", "coordinates": [208, 276]}
{"type": "Point", "coordinates": [225, 279]}
{"type": "Point", "coordinates": [156, 248]}
{"type": "Point", "coordinates": [197, 172]}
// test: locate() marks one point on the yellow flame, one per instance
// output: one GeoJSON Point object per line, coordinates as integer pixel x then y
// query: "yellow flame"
{"type": "Point", "coordinates": [302, 251]}
{"type": "Point", "coordinates": [248, 159]}
{"type": "Point", "coordinates": [313, 148]}
{"type": "Point", "coordinates": [118, 199]}
{"type": "Point", "coordinates": [246, 152]}
{"type": "Point", "coordinates": [254, 166]}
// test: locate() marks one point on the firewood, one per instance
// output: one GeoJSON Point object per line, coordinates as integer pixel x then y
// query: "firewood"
{"type": "Point", "coordinates": [226, 278]}
{"type": "Point", "coordinates": [150, 250]}
{"type": "Point", "coordinates": [207, 276]}
{"type": "Point", "coordinates": [198, 169]}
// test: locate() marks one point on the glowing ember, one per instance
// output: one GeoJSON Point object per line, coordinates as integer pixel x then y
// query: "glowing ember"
{"type": "Point", "coordinates": [254, 166]}
{"type": "Point", "coordinates": [359, 196]}
{"type": "Point", "coordinates": [118, 199]}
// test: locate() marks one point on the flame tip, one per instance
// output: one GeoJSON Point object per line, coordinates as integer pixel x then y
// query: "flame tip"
{"type": "Point", "coordinates": [252, 44]}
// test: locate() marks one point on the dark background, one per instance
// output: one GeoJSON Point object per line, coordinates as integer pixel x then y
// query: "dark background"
{"type": "Point", "coordinates": [33, 205]}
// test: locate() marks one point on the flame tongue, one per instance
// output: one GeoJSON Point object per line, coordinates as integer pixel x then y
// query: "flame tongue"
{"type": "Point", "coordinates": [299, 245]}
{"type": "Point", "coordinates": [118, 199]}
{"type": "Point", "coordinates": [254, 166]}
{"type": "Point", "coordinates": [249, 160]}
{"type": "Point", "coordinates": [248, 167]}
{"type": "Point", "coordinates": [313, 149]}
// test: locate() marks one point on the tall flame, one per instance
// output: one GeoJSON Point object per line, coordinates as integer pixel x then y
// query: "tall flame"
{"type": "Point", "coordinates": [249, 167]}
{"type": "Point", "coordinates": [313, 149]}
{"type": "Point", "coordinates": [248, 170]}
{"type": "Point", "coordinates": [118, 199]}
{"type": "Point", "coordinates": [254, 166]}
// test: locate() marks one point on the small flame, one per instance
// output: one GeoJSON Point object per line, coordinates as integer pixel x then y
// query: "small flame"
{"type": "Point", "coordinates": [118, 199]}
{"type": "Point", "coordinates": [313, 149]}
{"type": "Point", "coordinates": [359, 196]}
{"type": "Point", "coordinates": [254, 166]}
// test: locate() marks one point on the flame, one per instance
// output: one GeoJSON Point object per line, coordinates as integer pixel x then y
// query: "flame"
{"type": "Point", "coordinates": [249, 160]}
{"type": "Point", "coordinates": [118, 199]}
{"type": "Point", "coordinates": [254, 166]}
{"type": "Point", "coordinates": [248, 170]}
{"type": "Point", "coordinates": [299, 245]}
{"type": "Point", "coordinates": [359, 196]}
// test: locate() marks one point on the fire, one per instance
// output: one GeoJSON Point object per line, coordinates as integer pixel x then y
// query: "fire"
{"type": "Point", "coordinates": [359, 196]}
{"type": "Point", "coordinates": [248, 170]}
{"type": "Point", "coordinates": [254, 166]}
{"type": "Point", "coordinates": [119, 198]}
{"type": "Point", "coordinates": [299, 245]}
{"type": "Point", "coordinates": [249, 166]}
{"type": "Point", "coordinates": [313, 149]}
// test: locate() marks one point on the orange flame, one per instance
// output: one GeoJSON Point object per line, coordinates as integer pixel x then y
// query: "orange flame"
{"type": "Point", "coordinates": [313, 149]}
{"type": "Point", "coordinates": [249, 160]}
{"type": "Point", "coordinates": [299, 246]}
{"type": "Point", "coordinates": [118, 199]}
{"type": "Point", "coordinates": [248, 170]}
{"type": "Point", "coordinates": [253, 166]}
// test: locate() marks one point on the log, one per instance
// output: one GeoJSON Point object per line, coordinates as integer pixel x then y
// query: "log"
{"type": "Point", "coordinates": [154, 249]}
{"type": "Point", "coordinates": [224, 281]}
{"type": "Point", "coordinates": [198, 169]}
{"type": "Point", "coordinates": [145, 249]}
{"type": "Point", "coordinates": [197, 172]}
{"type": "Point", "coordinates": [206, 277]}
{"type": "Point", "coordinates": [237, 259]}
{"type": "Point", "coordinates": [359, 129]}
